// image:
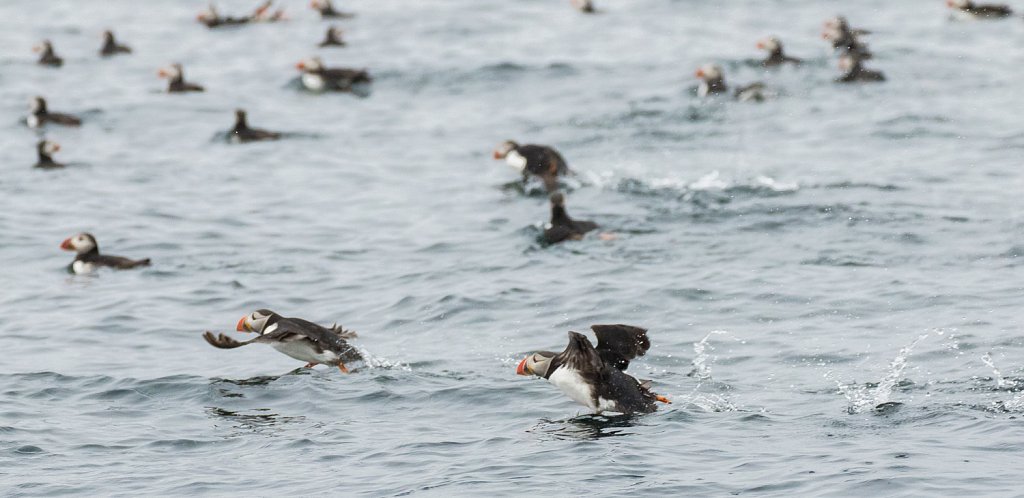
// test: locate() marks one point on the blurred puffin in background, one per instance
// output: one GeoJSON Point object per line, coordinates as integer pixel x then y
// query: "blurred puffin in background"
{"type": "Point", "coordinates": [89, 259]}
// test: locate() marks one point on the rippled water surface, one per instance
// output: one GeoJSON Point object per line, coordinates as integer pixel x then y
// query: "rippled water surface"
{"type": "Point", "coordinates": [832, 279]}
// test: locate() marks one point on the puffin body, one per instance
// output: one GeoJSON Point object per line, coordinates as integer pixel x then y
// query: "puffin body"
{"type": "Point", "coordinates": [981, 11]}
{"type": "Point", "coordinates": [45, 150]}
{"type": "Point", "coordinates": [40, 115]}
{"type": "Point", "coordinates": [538, 160]}
{"type": "Point", "coordinates": [776, 56]}
{"type": "Point", "coordinates": [88, 257]}
{"type": "Point", "coordinates": [48, 56]}
{"type": "Point", "coordinates": [212, 19]}
{"type": "Point", "coordinates": [327, 11]}
{"type": "Point", "coordinates": [595, 377]}
{"type": "Point", "coordinates": [332, 38]}
{"type": "Point", "coordinates": [111, 47]}
{"type": "Point", "coordinates": [176, 80]}
{"type": "Point", "coordinates": [854, 72]}
{"type": "Point", "coordinates": [295, 337]}
{"type": "Point", "coordinates": [562, 227]}
{"type": "Point", "coordinates": [712, 82]}
{"type": "Point", "coordinates": [317, 78]}
{"type": "Point", "coordinates": [846, 39]}
{"type": "Point", "coordinates": [242, 133]}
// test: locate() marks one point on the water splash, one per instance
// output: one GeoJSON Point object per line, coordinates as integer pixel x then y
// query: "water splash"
{"type": "Point", "coordinates": [868, 396]}
{"type": "Point", "coordinates": [371, 361]}
{"type": "Point", "coordinates": [701, 349]}
{"type": "Point", "coordinates": [1001, 382]}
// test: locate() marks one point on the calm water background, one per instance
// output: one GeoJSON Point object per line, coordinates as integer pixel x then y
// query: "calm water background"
{"type": "Point", "coordinates": [851, 246]}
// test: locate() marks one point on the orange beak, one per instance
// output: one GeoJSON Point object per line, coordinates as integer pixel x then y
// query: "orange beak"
{"type": "Point", "coordinates": [301, 66]}
{"type": "Point", "coordinates": [241, 325]}
{"type": "Point", "coordinates": [66, 245]}
{"type": "Point", "coordinates": [497, 155]}
{"type": "Point", "coordinates": [760, 45]}
{"type": "Point", "coordinates": [521, 369]}
{"type": "Point", "coordinates": [37, 48]}
{"type": "Point", "coordinates": [56, 146]}
{"type": "Point", "coordinates": [699, 73]}
{"type": "Point", "coordinates": [162, 73]}
{"type": "Point", "coordinates": [314, 4]}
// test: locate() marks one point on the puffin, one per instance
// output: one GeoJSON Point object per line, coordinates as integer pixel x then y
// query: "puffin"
{"type": "Point", "coordinates": [980, 11]}
{"type": "Point", "coordinates": [111, 47]}
{"type": "Point", "coordinates": [585, 6]}
{"type": "Point", "coordinates": [326, 10]}
{"type": "Point", "coordinates": [595, 377]}
{"type": "Point", "coordinates": [88, 257]}
{"type": "Point", "coordinates": [844, 38]}
{"type": "Point", "coordinates": [176, 80]}
{"type": "Point", "coordinates": [776, 57]}
{"type": "Point", "coordinates": [45, 150]}
{"type": "Point", "coordinates": [261, 13]}
{"type": "Point", "coordinates": [212, 19]}
{"type": "Point", "coordinates": [562, 227]}
{"type": "Point", "coordinates": [242, 133]}
{"type": "Point", "coordinates": [712, 82]}
{"type": "Point", "coordinates": [317, 78]}
{"type": "Point", "coordinates": [39, 115]}
{"type": "Point", "coordinates": [48, 57]}
{"type": "Point", "coordinates": [332, 38]}
{"type": "Point", "coordinates": [854, 72]}
{"type": "Point", "coordinates": [541, 161]}
{"type": "Point", "coordinates": [295, 337]}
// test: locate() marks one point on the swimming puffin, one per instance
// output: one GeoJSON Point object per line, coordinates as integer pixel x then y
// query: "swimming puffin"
{"type": "Point", "coordinates": [212, 19]}
{"type": "Point", "coordinates": [45, 150]}
{"type": "Point", "coordinates": [39, 115]}
{"type": "Point", "coordinates": [541, 161]}
{"type": "Point", "coordinates": [241, 133]}
{"type": "Point", "coordinates": [88, 257]}
{"type": "Point", "coordinates": [261, 13]}
{"type": "Point", "coordinates": [111, 47]}
{"type": "Point", "coordinates": [562, 227]}
{"type": "Point", "coordinates": [332, 38]}
{"type": "Point", "coordinates": [776, 57]}
{"type": "Point", "coordinates": [844, 38]}
{"type": "Point", "coordinates": [854, 72]}
{"type": "Point", "coordinates": [585, 6]}
{"type": "Point", "coordinates": [981, 11]}
{"type": "Point", "coordinates": [316, 77]}
{"type": "Point", "coordinates": [176, 80]}
{"type": "Point", "coordinates": [295, 337]}
{"type": "Point", "coordinates": [596, 377]}
{"type": "Point", "coordinates": [326, 10]}
{"type": "Point", "coordinates": [712, 82]}
{"type": "Point", "coordinates": [48, 56]}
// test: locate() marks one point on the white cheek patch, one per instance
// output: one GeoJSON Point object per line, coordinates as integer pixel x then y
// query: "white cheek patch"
{"type": "Point", "coordinates": [313, 82]}
{"type": "Point", "coordinates": [81, 267]}
{"type": "Point", "coordinates": [515, 160]}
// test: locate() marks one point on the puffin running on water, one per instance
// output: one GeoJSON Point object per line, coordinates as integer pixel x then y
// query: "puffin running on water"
{"type": "Point", "coordinates": [88, 257]}
{"type": "Point", "coordinates": [111, 47]}
{"type": "Point", "coordinates": [45, 150]}
{"type": "Point", "coordinates": [295, 337]}
{"type": "Point", "coordinates": [712, 82]}
{"type": "Point", "coordinates": [326, 10]}
{"type": "Point", "coordinates": [242, 133]}
{"type": "Point", "coordinates": [332, 38]}
{"type": "Point", "coordinates": [538, 160]}
{"type": "Point", "coordinates": [980, 11]}
{"type": "Point", "coordinates": [562, 227]}
{"type": "Point", "coordinates": [317, 78]}
{"type": "Point", "coordinates": [776, 57]}
{"type": "Point", "coordinates": [854, 72]}
{"type": "Point", "coordinates": [176, 80]}
{"type": "Point", "coordinates": [596, 377]}
{"type": "Point", "coordinates": [40, 115]}
{"type": "Point", "coordinates": [48, 57]}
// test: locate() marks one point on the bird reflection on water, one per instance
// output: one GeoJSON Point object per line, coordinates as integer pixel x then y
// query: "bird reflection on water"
{"type": "Point", "coordinates": [587, 427]}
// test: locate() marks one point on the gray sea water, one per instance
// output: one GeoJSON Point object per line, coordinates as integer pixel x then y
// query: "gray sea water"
{"type": "Point", "coordinates": [832, 279]}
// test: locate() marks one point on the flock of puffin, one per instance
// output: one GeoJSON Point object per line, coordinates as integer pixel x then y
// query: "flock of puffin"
{"type": "Point", "coordinates": [593, 376]}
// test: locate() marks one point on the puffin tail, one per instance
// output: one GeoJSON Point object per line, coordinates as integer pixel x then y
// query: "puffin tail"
{"type": "Point", "coordinates": [342, 333]}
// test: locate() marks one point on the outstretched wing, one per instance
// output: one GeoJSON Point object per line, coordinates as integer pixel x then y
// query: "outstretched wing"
{"type": "Point", "coordinates": [618, 344]}
{"type": "Point", "coordinates": [224, 342]}
{"type": "Point", "coordinates": [581, 356]}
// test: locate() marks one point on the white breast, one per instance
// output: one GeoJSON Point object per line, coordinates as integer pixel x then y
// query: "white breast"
{"type": "Point", "coordinates": [517, 161]}
{"type": "Point", "coordinates": [703, 89]}
{"type": "Point", "coordinates": [82, 267]}
{"type": "Point", "coordinates": [313, 82]}
{"type": "Point", "coordinates": [32, 120]}
{"type": "Point", "coordinates": [302, 350]}
{"type": "Point", "coordinates": [572, 384]}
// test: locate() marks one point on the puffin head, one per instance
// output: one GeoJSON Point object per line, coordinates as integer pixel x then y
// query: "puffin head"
{"type": "Point", "coordinates": [837, 22]}
{"type": "Point", "coordinates": [47, 147]}
{"type": "Point", "coordinates": [239, 117]}
{"type": "Point", "coordinates": [173, 71]}
{"type": "Point", "coordinates": [769, 44]}
{"type": "Point", "coordinates": [319, 4]}
{"type": "Point", "coordinates": [709, 72]}
{"type": "Point", "coordinates": [37, 104]}
{"type": "Point", "coordinates": [583, 5]}
{"type": "Point", "coordinates": [958, 4]}
{"type": "Point", "coordinates": [535, 364]}
{"type": "Point", "coordinates": [44, 46]}
{"type": "Point", "coordinates": [261, 321]}
{"type": "Point", "coordinates": [557, 199]}
{"type": "Point", "coordinates": [108, 36]}
{"type": "Point", "coordinates": [81, 243]}
{"type": "Point", "coordinates": [310, 64]}
{"type": "Point", "coordinates": [207, 15]}
{"type": "Point", "coordinates": [505, 147]}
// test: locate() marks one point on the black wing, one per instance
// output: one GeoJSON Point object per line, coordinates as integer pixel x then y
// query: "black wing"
{"type": "Point", "coordinates": [324, 337]}
{"type": "Point", "coordinates": [581, 356]}
{"type": "Point", "coordinates": [618, 344]}
{"type": "Point", "coordinates": [224, 342]}
{"type": "Point", "coordinates": [542, 160]}
{"type": "Point", "coordinates": [120, 262]}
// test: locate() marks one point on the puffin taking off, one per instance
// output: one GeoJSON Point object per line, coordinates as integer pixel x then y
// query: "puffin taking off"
{"type": "Point", "coordinates": [562, 227]}
{"type": "Point", "coordinates": [538, 160]}
{"type": "Point", "coordinates": [854, 72]}
{"type": "Point", "coordinates": [596, 377]}
{"type": "Point", "coordinates": [40, 116]}
{"type": "Point", "coordinates": [317, 78]}
{"type": "Point", "coordinates": [776, 57]}
{"type": "Point", "coordinates": [88, 257]}
{"type": "Point", "coordinates": [241, 133]}
{"type": "Point", "coordinates": [327, 11]}
{"type": "Point", "coordinates": [48, 57]}
{"type": "Point", "coordinates": [980, 11]}
{"type": "Point", "coordinates": [176, 80]}
{"type": "Point", "coordinates": [111, 47]}
{"type": "Point", "coordinates": [44, 150]}
{"type": "Point", "coordinates": [332, 38]}
{"type": "Point", "coordinates": [295, 337]}
{"type": "Point", "coordinates": [712, 82]}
